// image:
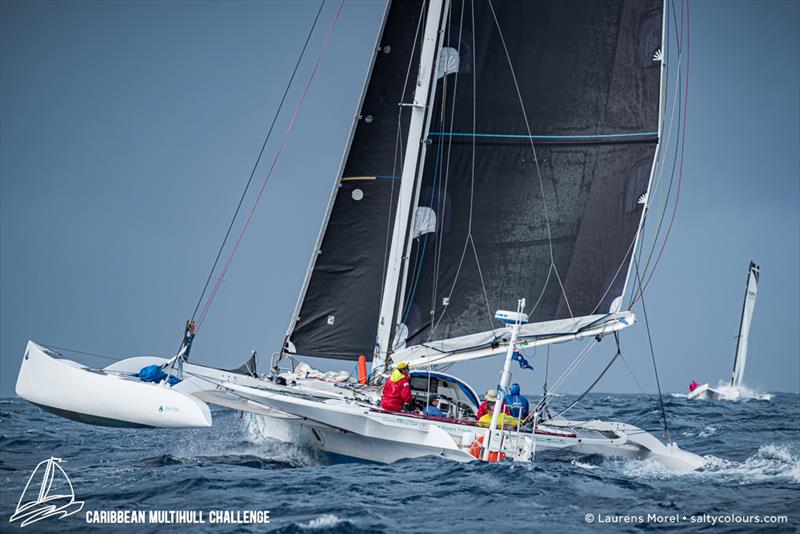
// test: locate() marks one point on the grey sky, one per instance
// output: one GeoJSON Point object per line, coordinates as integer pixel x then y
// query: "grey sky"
{"type": "Point", "coordinates": [128, 129]}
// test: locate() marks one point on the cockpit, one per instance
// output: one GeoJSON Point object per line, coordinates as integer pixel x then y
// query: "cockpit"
{"type": "Point", "coordinates": [457, 399]}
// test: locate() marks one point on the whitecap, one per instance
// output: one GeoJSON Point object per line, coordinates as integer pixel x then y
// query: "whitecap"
{"type": "Point", "coordinates": [707, 431]}
{"type": "Point", "coordinates": [583, 465]}
{"type": "Point", "coordinates": [323, 521]}
{"type": "Point", "coordinates": [771, 462]}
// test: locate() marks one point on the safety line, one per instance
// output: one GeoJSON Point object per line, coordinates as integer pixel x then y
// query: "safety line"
{"type": "Point", "coordinates": [289, 129]}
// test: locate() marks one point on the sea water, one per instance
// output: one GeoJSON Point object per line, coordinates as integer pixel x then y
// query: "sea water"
{"type": "Point", "coordinates": [221, 477]}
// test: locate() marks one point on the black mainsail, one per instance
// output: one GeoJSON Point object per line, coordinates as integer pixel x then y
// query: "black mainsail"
{"type": "Point", "coordinates": [538, 154]}
{"type": "Point", "coordinates": [338, 310]}
{"type": "Point", "coordinates": [542, 201]}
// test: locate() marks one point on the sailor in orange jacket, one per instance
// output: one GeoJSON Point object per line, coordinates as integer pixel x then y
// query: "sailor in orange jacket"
{"type": "Point", "coordinates": [397, 390]}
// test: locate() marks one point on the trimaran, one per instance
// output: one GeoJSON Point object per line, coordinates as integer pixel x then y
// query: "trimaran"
{"type": "Point", "coordinates": [733, 390]}
{"type": "Point", "coordinates": [447, 212]}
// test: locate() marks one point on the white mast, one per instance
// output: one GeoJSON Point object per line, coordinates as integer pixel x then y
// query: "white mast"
{"type": "Point", "coordinates": [417, 123]}
{"type": "Point", "coordinates": [744, 328]}
{"type": "Point", "coordinates": [514, 320]}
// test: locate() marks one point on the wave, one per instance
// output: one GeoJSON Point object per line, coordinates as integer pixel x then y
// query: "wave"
{"type": "Point", "coordinates": [323, 521]}
{"type": "Point", "coordinates": [583, 465]}
{"type": "Point", "coordinates": [771, 463]}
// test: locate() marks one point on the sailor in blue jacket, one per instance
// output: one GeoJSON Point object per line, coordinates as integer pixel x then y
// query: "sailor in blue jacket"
{"type": "Point", "coordinates": [516, 402]}
{"type": "Point", "coordinates": [433, 410]}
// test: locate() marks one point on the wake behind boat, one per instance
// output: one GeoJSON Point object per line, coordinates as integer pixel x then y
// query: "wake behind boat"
{"type": "Point", "coordinates": [503, 153]}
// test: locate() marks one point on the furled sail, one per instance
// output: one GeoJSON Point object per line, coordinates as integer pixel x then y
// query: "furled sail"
{"type": "Point", "coordinates": [541, 147]}
{"type": "Point", "coordinates": [337, 313]}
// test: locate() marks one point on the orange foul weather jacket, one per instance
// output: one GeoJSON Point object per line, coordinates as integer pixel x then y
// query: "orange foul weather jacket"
{"type": "Point", "coordinates": [396, 392]}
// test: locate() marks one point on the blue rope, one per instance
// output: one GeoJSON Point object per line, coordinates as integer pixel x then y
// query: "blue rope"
{"type": "Point", "coordinates": [523, 136]}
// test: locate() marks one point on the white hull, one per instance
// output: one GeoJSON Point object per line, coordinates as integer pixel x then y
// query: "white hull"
{"type": "Point", "coordinates": [77, 392]}
{"type": "Point", "coordinates": [726, 393]}
{"type": "Point", "coordinates": [359, 431]}
{"type": "Point", "coordinates": [310, 413]}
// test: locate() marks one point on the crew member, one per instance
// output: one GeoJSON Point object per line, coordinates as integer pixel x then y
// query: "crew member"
{"type": "Point", "coordinates": [487, 406]}
{"type": "Point", "coordinates": [397, 390]}
{"type": "Point", "coordinates": [517, 403]}
{"type": "Point", "coordinates": [433, 410]}
{"type": "Point", "coordinates": [503, 421]}
{"type": "Point", "coordinates": [694, 385]}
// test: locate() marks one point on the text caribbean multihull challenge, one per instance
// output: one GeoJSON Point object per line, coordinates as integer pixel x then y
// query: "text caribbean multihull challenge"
{"type": "Point", "coordinates": [482, 169]}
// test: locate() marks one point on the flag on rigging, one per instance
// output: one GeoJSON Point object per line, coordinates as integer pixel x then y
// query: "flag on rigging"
{"type": "Point", "coordinates": [518, 357]}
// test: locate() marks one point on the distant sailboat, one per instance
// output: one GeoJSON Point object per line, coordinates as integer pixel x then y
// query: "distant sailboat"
{"type": "Point", "coordinates": [734, 390]}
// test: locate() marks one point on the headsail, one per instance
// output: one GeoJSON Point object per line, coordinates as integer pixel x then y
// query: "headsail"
{"type": "Point", "coordinates": [337, 312]}
{"type": "Point", "coordinates": [541, 150]}
{"type": "Point", "coordinates": [751, 292]}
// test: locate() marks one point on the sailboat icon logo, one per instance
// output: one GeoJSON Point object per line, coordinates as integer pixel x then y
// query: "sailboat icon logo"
{"type": "Point", "coordinates": [48, 493]}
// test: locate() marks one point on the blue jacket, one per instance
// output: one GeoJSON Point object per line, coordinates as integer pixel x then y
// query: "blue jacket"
{"type": "Point", "coordinates": [516, 402]}
{"type": "Point", "coordinates": [433, 411]}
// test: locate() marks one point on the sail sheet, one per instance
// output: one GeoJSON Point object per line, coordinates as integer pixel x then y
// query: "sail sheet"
{"type": "Point", "coordinates": [339, 307]}
{"type": "Point", "coordinates": [556, 226]}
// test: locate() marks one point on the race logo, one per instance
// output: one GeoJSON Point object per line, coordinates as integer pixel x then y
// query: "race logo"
{"type": "Point", "coordinates": [48, 493]}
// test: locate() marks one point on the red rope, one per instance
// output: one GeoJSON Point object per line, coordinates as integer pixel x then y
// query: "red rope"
{"type": "Point", "coordinates": [269, 173]}
{"type": "Point", "coordinates": [683, 145]}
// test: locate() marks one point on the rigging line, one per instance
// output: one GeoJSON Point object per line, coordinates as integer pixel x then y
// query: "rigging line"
{"type": "Point", "coordinates": [544, 287]}
{"type": "Point", "coordinates": [616, 274]}
{"type": "Point", "coordinates": [258, 160]}
{"type": "Point", "coordinates": [628, 367]}
{"type": "Point", "coordinates": [678, 100]}
{"type": "Point", "coordinates": [571, 368]}
{"type": "Point", "coordinates": [419, 261]}
{"type": "Point", "coordinates": [574, 364]}
{"type": "Point", "coordinates": [667, 197]}
{"type": "Point", "coordinates": [422, 245]}
{"type": "Point", "coordinates": [399, 144]}
{"type": "Point", "coordinates": [102, 356]}
{"type": "Point", "coordinates": [483, 285]}
{"type": "Point", "coordinates": [563, 291]}
{"type": "Point", "coordinates": [288, 131]}
{"type": "Point", "coordinates": [472, 183]}
{"type": "Point", "coordinates": [445, 165]}
{"type": "Point", "coordinates": [470, 239]}
{"type": "Point", "coordinates": [653, 356]}
{"type": "Point", "coordinates": [680, 171]}
{"type": "Point", "coordinates": [434, 321]}
{"type": "Point", "coordinates": [546, 368]}
{"type": "Point", "coordinates": [523, 136]}
{"type": "Point", "coordinates": [676, 111]}
{"type": "Point", "coordinates": [664, 151]}
{"type": "Point", "coordinates": [596, 380]}
{"type": "Point", "coordinates": [533, 150]}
